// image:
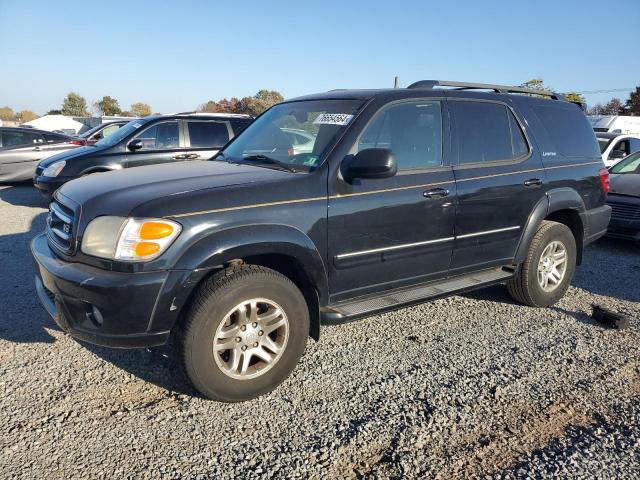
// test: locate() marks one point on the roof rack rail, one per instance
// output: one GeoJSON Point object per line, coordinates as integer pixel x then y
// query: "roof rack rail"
{"type": "Point", "coordinates": [430, 84]}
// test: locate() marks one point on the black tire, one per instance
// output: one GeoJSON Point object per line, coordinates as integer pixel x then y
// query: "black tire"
{"type": "Point", "coordinates": [524, 286]}
{"type": "Point", "coordinates": [214, 299]}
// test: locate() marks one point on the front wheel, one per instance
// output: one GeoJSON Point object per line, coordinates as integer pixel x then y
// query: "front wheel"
{"type": "Point", "coordinates": [245, 333]}
{"type": "Point", "coordinates": [546, 273]}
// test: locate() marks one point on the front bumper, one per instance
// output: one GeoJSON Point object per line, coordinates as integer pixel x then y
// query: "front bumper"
{"type": "Point", "coordinates": [625, 219]}
{"type": "Point", "coordinates": [107, 308]}
{"type": "Point", "coordinates": [48, 185]}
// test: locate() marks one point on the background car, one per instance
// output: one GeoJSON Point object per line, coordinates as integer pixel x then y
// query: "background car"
{"type": "Point", "coordinates": [22, 148]}
{"type": "Point", "coordinates": [614, 147]}
{"type": "Point", "coordinates": [146, 141]}
{"type": "Point", "coordinates": [90, 137]}
{"type": "Point", "coordinates": [302, 141]}
{"type": "Point", "coordinates": [624, 198]}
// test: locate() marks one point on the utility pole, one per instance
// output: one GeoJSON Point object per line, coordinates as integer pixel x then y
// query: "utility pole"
{"type": "Point", "coordinates": [396, 82]}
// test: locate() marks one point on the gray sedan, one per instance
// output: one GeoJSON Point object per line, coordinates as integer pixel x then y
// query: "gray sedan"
{"type": "Point", "coordinates": [22, 148]}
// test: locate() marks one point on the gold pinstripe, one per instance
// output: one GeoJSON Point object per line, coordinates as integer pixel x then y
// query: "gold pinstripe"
{"type": "Point", "coordinates": [386, 190]}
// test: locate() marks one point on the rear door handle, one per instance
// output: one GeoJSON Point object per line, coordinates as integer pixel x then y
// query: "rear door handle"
{"type": "Point", "coordinates": [436, 193]}
{"type": "Point", "coordinates": [180, 157]}
{"type": "Point", "coordinates": [192, 156]}
{"type": "Point", "coordinates": [533, 182]}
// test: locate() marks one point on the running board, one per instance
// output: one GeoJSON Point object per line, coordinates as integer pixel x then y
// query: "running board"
{"type": "Point", "coordinates": [390, 300]}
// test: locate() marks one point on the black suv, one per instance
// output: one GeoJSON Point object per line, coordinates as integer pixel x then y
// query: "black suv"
{"type": "Point", "coordinates": [145, 141]}
{"type": "Point", "coordinates": [404, 195]}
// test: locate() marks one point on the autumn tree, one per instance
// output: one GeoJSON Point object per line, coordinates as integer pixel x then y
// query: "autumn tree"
{"type": "Point", "coordinates": [108, 106]}
{"type": "Point", "coordinates": [74, 106]}
{"type": "Point", "coordinates": [54, 112]}
{"type": "Point", "coordinates": [613, 107]}
{"type": "Point", "coordinates": [26, 116]}
{"type": "Point", "coordinates": [538, 84]}
{"type": "Point", "coordinates": [7, 113]}
{"type": "Point", "coordinates": [253, 106]}
{"type": "Point", "coordinates": [632, 105]}
{"type": "Point", "coordinates": [140, 109]}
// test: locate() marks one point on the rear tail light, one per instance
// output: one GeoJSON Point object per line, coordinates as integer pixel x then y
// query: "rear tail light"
{"type": "Point", "coordinates": [77, 142]}
{"type": "Point", "coordinates": [604, 179]}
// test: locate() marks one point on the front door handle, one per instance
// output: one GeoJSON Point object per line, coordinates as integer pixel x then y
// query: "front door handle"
{"type": "Point", "coordinates": [436, 193]}
{"type": "Point", "coordinates": [191, 156]}
{"type": "Point", "coordinates": [180, 157]}
{"type": "Point", "coordinates": [533, 182]}
{"type": "Point", "coordinates": [36, 149]}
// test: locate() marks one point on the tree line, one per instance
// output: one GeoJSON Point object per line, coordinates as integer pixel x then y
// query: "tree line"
{"type": "Point", "coordinates": [613, 107]}
{"type": "Point", "coordinates": [75, 105]}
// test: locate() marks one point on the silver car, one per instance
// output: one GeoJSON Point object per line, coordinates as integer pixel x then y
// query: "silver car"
{"type": "Point", "coordinates": [22, 148]}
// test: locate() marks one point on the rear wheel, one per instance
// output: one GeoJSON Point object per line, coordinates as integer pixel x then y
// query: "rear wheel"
{"type": "Point", "coordinates": [546, 273]}
{"type": "Point", "coordinates": [245, 333]}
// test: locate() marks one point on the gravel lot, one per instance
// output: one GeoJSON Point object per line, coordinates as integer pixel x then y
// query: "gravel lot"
{"type": "Point", "coordinates": [466, 386]}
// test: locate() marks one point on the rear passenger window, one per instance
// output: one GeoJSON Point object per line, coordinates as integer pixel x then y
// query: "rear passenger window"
{"type": "Point", "coordinates": [51, 138]}
{"type": "Point", "coordinates": [487, 132]}
{"type": "Point", "coordinates": [14, 139]}
{"type": "Point", "coordinates": [208, 134]}
{"type": "Point", "coordinates": [411, 130]}
{"type": "Point", "coordinates": [569, 130]}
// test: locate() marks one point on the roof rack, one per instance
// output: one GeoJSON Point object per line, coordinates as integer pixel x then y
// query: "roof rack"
{"type": "Point", "coordinates": [430, 84]}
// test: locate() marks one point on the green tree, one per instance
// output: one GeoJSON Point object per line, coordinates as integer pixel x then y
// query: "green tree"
{"type": "Point", "coordinates": [74, 106]}
{"type": "Point", "coordinates": [54, 112]}
{"type": "Point", "coordinates": [26, 116]}
{"type": "Point", "coordinates": [538, 84]}
{"type": "Point", "coordinates": [140, 109]}
{"type": "Point", "coordinates": [108, 106]}
{"type": "Point", "coordinates": [7, 113]}
{"type": "Point", "coordinates": [632, 105]}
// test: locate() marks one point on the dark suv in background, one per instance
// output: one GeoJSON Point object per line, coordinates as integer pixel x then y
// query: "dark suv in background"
{"type": "Point", "coordinates": [400, 195]}
{"type": "Point", "coordinates": [146, 141]}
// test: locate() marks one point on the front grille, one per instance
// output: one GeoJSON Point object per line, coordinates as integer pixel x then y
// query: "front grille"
{"type": "Point", "coordinates": [60, 226]}
{"type": "Point", "coordinates": [625, 211]}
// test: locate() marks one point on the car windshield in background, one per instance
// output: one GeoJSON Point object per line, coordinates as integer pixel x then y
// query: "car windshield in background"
{"type": "Point", "coordinates": [121, 133]}
{"type": "Point", "coordinates": [603, 143]}
{"type": "Point", "coordinates": [292, 136]}
{"type": "Point", "coordinates": [631, 164]}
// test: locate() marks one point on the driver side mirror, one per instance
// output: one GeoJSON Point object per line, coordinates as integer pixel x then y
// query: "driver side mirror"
{"type": "Point", "coordinates": [370, 163]}
{"type": "Point", "coordinates": [135, 145]}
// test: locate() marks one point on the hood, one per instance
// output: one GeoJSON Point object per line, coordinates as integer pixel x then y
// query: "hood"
{"type": "Point", "coordinates": [625, 184]}
{"type": "Point", "coordinates": [70, 154]}
{"type": "Point", "coordinates": [119, 192]}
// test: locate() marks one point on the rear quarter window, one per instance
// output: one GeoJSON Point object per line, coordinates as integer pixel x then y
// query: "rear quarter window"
{"type": "Point", "coordinates": [568, 129]}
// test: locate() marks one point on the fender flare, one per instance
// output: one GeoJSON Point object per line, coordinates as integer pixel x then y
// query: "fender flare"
{"type": "Point", "coordinates": [220, 247]}
{"type": "Point", "coordinates": [554, 200]}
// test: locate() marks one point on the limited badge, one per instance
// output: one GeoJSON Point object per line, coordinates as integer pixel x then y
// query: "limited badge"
{"type": "Point", "coordinates": [333, 119]}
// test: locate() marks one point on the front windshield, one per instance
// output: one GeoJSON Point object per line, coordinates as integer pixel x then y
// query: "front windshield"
{"type": "Point", "coordinates": [295, 136]}
{"type": "Point", "coordinates": [121, 133]}
{"type": "Point", "coordinates": [631, 164]}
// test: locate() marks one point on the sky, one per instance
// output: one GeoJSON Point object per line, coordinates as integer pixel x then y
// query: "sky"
{"type": "Point", "coordinates": [177, 55]}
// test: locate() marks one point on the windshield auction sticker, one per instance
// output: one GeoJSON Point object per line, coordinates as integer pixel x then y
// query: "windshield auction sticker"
{"type": "Point", "coordinates": [333, 119]}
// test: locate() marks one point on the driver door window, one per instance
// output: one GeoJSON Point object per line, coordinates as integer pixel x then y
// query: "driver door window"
{"type": "Point", "coordinates": [161, 136]}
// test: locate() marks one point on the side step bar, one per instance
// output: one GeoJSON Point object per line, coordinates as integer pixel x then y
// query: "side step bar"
{"type": "Point", "coordinates": [393, 299]}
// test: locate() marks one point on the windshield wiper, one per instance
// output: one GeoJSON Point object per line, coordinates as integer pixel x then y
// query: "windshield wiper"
{"type": "Point", "coordinates": [270, 161]}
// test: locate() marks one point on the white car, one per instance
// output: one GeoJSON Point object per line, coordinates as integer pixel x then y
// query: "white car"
{"type": "Point", "coordinates": [614, 147]}
{"type": "Point", "coordinates": [301, 140]}
{"type": "Point", "coordinates": [620, 124]}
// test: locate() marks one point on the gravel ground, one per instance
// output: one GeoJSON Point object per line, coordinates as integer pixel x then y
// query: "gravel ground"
{"type": "Point", "coordinates": [472, 385]}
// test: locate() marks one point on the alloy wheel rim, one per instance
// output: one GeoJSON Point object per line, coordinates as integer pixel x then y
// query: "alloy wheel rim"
{"type": "Point", "coordinates": [251, 338]}
{"type": "Point", "coordinates": [552, 266]}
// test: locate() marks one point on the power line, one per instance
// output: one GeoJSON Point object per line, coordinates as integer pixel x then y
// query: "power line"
{"type": "Point", "coordinates": [613, 90]}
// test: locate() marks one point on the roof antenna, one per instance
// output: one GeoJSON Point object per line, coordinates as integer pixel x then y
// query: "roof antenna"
{"type": "Point", "coordinates": [396, 82]}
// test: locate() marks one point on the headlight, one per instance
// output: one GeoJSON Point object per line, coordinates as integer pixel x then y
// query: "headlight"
{"type": "Point", "coordinates": [54, 169]}
{"type": "Point", "coordinates": [129, 239]}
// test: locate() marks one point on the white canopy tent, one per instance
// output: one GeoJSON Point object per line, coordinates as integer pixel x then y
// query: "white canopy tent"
{"type": "Point", "coordinates": [56, 122]}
